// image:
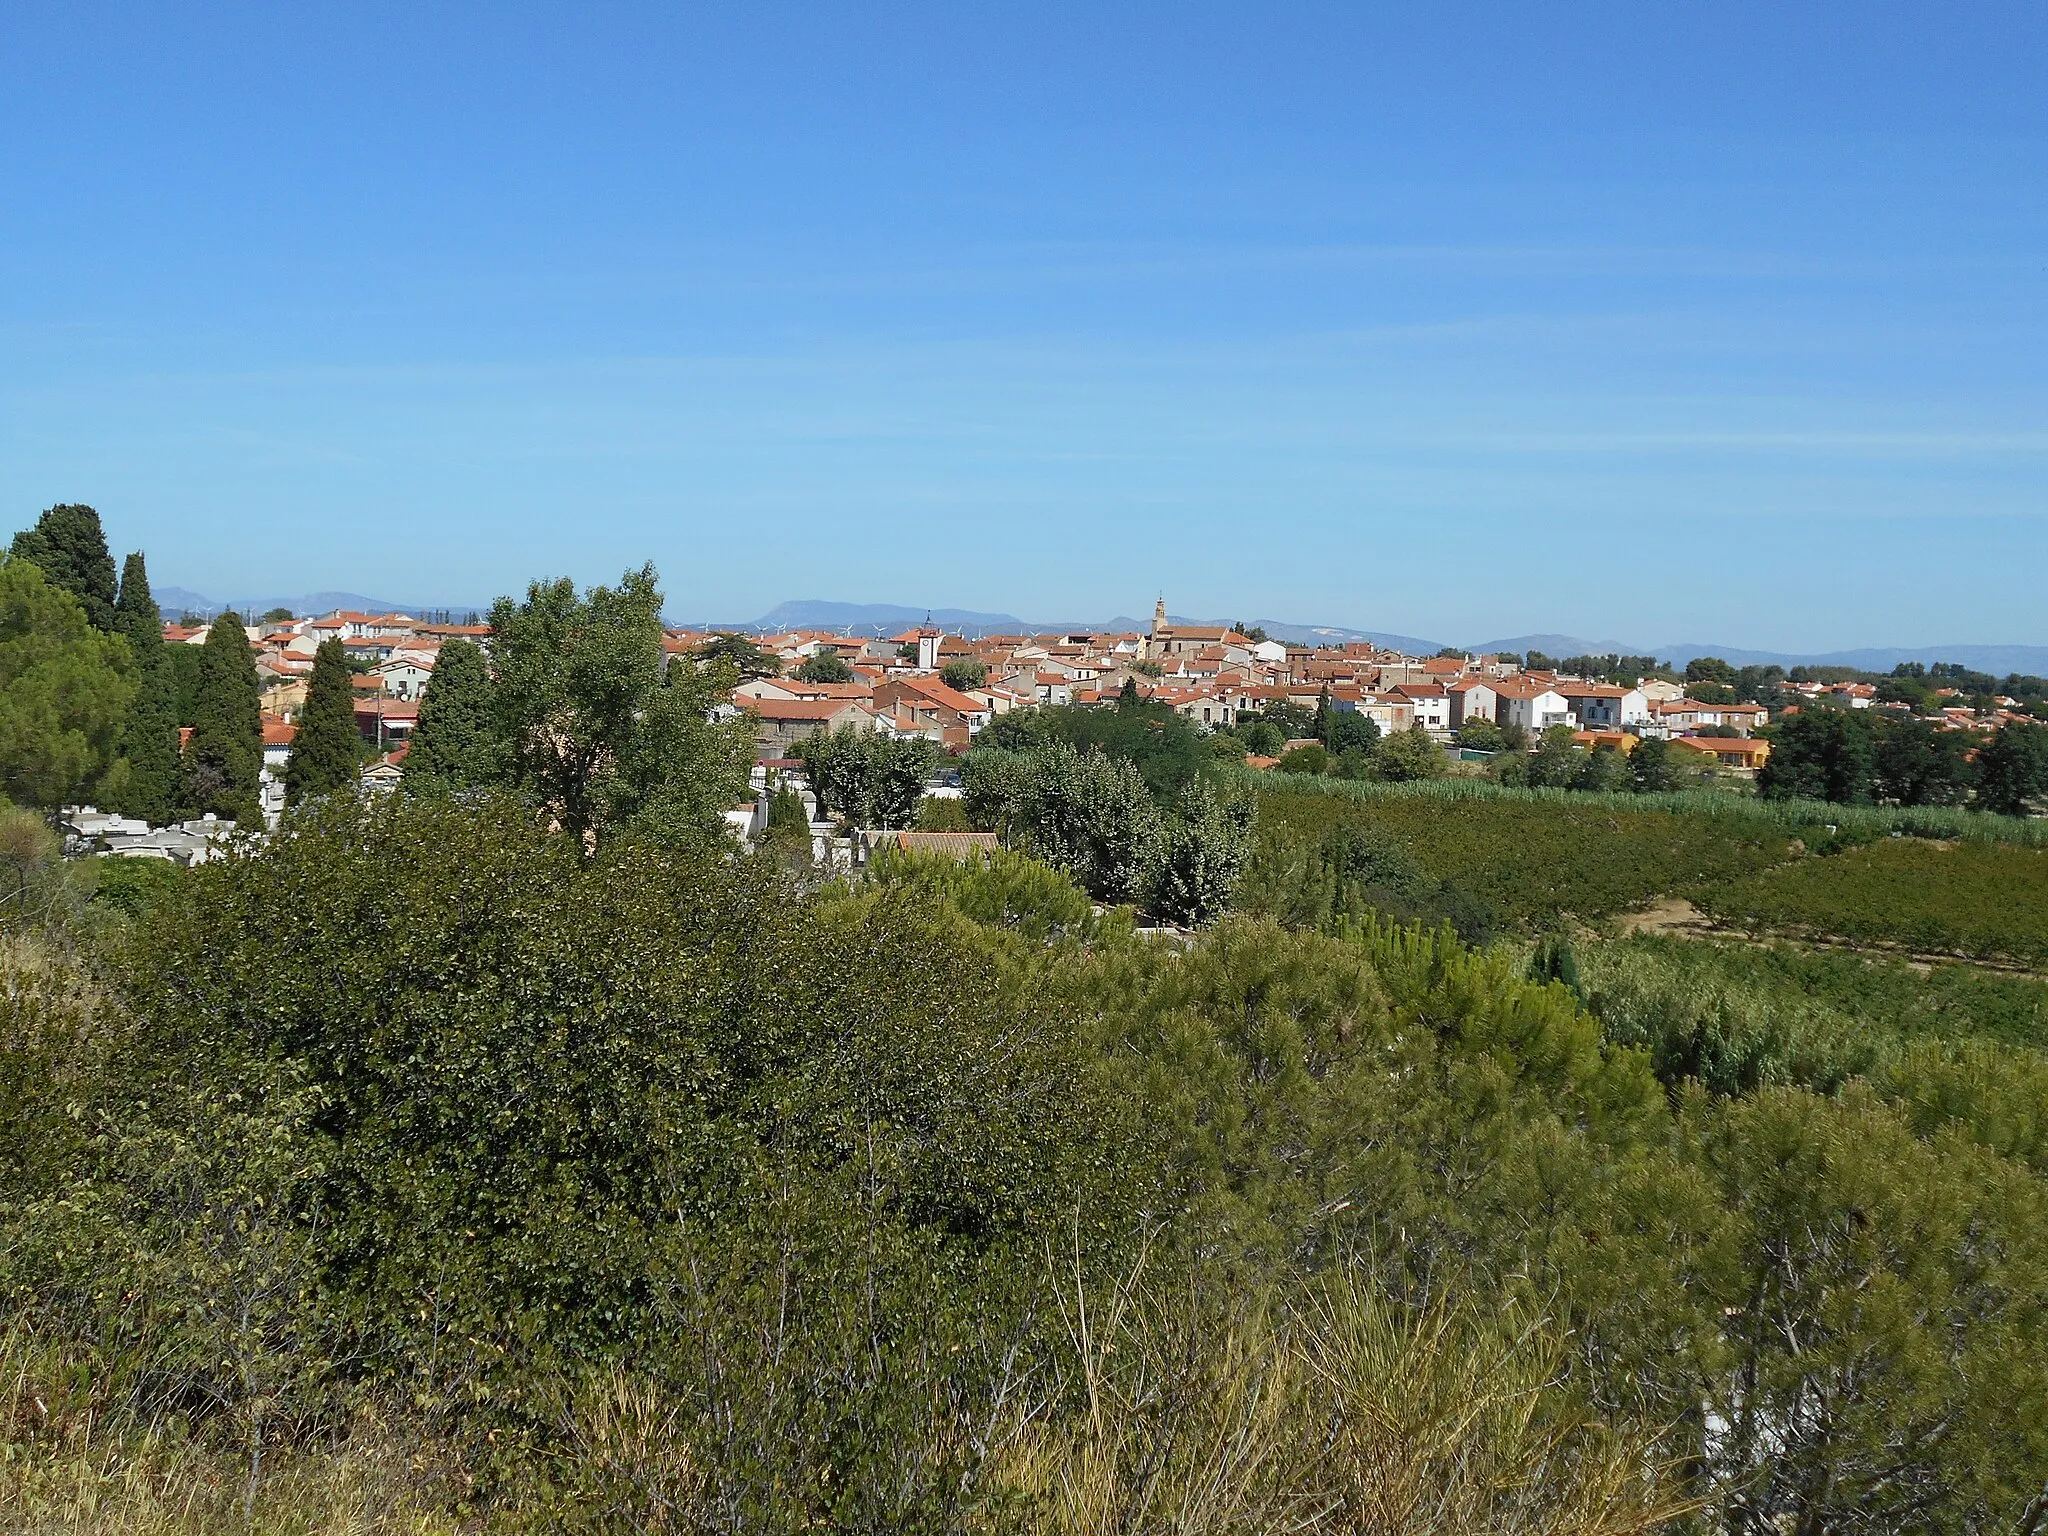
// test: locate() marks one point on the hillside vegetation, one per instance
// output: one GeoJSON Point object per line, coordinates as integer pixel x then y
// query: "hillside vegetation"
{"type": "Point", "coordinates": [1500, 862]}
{"type": "Point", "coordinates": [425, 1172]}
{"type": "Point", "coordinates": [1962, 898]}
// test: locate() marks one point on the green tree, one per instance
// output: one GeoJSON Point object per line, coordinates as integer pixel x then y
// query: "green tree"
{"type": "Point", "coordinates": [69, 546]}
{"type": "Point", "coordinates": [224, 754]}
{"type": "Point", "coordinates": [64, 690]}
{"type": "Point", "coordinates": [964, 673]}
{"type": "Point", "coordinates": [1481, 734]}
{"type": "Point", "coordinates": [868, 778]}
{"type": "Point", "coordinates": [455, 746]}
{"type": "Point", "coordinates": [148, 764]}
{"type": "Point", "coordinates": [1203, 849]}
{"type": "Point", "coordinates": [1557, 759]}
{"type": "Point", "coordinates": [1920, 765]}
{"type": "Point", "coordinates": [136, 616]}
{"type": "Point", "coordinates": [597, 734]}
{"type": "Point", "coordinates": [787, 837]}
{"type": "Point", "coordinates": [825, 666]}
{"type": "Point", "coordinates": [1350, 730]}
{"type": "Point", "coordinates": [745, 658]}
{"type": "Point", "coordinates": [1409, 754]}
{"type": "Point", "coordinates": [146, 778]}
{"type": "Point", "coordinates": [1093, 815]}
{"type": "Point", "coordinates": [326, 750]}
{"type": "Point", "coordinates": [1605, 769]}
{"type": "Point", "coordinates": [1309, 757]}
{"type": "Point", "coordinates": [182, 667]}
{"type": "Point", "coordinates": [1822, 753]}
{"type": "Point", "coordinates": [1168, 749]}
{"type": "Point", "coordinates": [1650, 768]}
{"type": "Point", "coordinates": [2013, 769]}
{"type": "Point", "coordinates": [1261, 737]}
{"type": "Point", "coordinates": [1709, 669]}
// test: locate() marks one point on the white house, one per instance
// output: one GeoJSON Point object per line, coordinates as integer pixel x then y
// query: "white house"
{"type": "Point", "coordinates": [1534, 706]}
{"type": "Point", "coordinates": [1606, 706]}
{"type": "Point", "coordinates": [403, 677]}
{"type": "Point", "coordinates": [1472, 698]}
{"type": "Point", "coordinates": [1431, 702]}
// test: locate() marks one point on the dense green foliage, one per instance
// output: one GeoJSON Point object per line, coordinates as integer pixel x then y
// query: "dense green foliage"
{"type": "Point", "coordinates": [326, 750]}
{"type": "Point", "coordinates": [1856, 757]}
{"type": "Point", "coordinates": [136, 616]}
{"type": "Point", "coordinates": [64, 690]}
{"type": "Point", "coordinates": [964, 674]}
{"type": "Point", "coordinates": [1968, 898]}
{"type": "Point", "coordinates": [2013, 770]}
{"type": "Point", "coordinates": [453, 745]}
{"type": "Point", "coordinates": [869, 778]}
{"type": "Point", "coordinates": [740, 654]}
{"type": "Point", "coordinates": [70, 548]}
{"type": "Point", "coordinates": [147, 781]}
{"type": "Point", "coordinates": [1522, 860]}
{"type": "Point", "coordinates": [641, 1179]}
{"type": "Point", "coordinates": [224, 754]}
{"type": "Point", "coordinates": [824, 667]}
{"type": "Point", "coordinates": [592, 728]}
{"type": "Point", "coordinates": [1092, 814]}
{"type": "Point", "coordinates": [1739, 1016]}
{"type": "Point", "coordinates": [1167, 749]}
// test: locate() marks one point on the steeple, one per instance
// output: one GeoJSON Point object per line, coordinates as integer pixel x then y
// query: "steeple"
{"type": "Point", "coordinates": [1159, 614]}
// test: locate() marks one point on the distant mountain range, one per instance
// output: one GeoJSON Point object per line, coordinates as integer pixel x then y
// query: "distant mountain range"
{"type": "Point", "coordinates": [1995, 659]}
{"type": "Point", "coordinates": [887, 618]}
{"type": "Point", "coordinates": [176, 600]}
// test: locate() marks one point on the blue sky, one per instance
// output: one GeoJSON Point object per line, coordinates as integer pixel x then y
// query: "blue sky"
{"type": "Point", "coordinates": [1639, 321]}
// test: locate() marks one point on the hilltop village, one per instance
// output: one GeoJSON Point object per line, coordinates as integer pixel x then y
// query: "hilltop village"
{"type": "Point", "coordinates": [1246, 690]}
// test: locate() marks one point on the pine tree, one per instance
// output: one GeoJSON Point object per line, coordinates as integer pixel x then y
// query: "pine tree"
{"type": "Point", "coordinates": [453, 746]}
{"type": "Point", "coordinates": [70, 548]}
{"type": "Point", "coordinates": [224, 757]}
{"type": "Point", "coordinates": [136, 614]}
{"type": "Point", "coordinates": [324, 752]}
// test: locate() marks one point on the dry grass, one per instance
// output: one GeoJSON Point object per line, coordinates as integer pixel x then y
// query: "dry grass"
{"type": "Point", "coordinates": [70, 1465]}
{"type": "Point", "coordinates": [1343, 1413]}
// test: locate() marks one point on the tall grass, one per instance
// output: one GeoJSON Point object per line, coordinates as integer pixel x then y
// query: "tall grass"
{"type": "Point", "coordinates": [75, 1462]}
{"type": "Point", "coordinates": [1791, 817]}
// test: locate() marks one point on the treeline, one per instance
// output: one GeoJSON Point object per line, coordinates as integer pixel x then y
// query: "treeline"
{"type": "Point", "coordinates": [1863, 757]}
{"type": "Point", "coordinates": [92, 699]}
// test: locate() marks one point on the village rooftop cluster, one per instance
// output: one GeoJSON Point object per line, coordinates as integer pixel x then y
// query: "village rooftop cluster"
{"type": "Point", "coordinates": [1211, 674]}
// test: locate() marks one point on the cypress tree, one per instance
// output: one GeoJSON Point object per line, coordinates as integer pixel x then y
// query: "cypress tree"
{"type": "Point", "coordinates": [136, 614]}
{"type": "Point", "coordinates": [70, 548]}
{"type": "Point", "coordinates": [324, 752]}
{"type": "Point", "coordinates": [148, 780]}
{"type": "Point", "coordinates": [224, 757]}
{"type": "Point", "coordinates": [149, 750]}
{"type": "Point", "coordinates": [453, 746]}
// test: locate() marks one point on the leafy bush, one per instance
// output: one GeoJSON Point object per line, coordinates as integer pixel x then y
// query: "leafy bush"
{"type": "Point", "coordinates": [651, 1191]}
